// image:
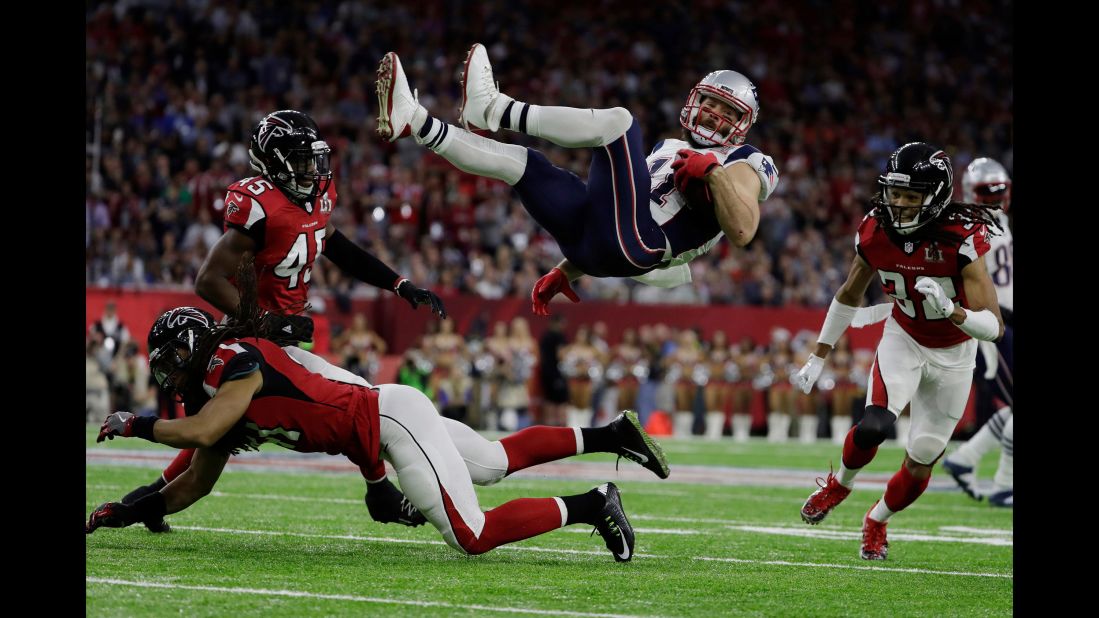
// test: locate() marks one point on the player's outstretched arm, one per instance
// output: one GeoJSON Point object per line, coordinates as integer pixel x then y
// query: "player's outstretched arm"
{"type": "Point", "coordinates": [215, 419]}
{"type": "Point", "coordinates": [195, 482]}
{"type": "Point", "coordinates": [556, 281]}
{"type": "Point", "coordinates": [840, 313]}
{"type": "Point", "coordinates": [361, 264]}
{"type": "Point", "coordinates": [185, 490]}
{"type": "Point", "coordinates": [204, 429]}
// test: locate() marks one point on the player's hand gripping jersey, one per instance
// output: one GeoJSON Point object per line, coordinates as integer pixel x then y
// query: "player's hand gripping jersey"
{"type": "Point", "coordinates": [692, 232]}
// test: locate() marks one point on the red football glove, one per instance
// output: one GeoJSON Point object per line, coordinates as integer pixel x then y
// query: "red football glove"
{"type": "Point", "coordinates": [552, 283]}
{"type": "Point", "coordinates": [692, 165]}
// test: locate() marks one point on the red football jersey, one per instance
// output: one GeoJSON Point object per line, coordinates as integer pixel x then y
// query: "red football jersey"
{"type": "Point", "coordinates": [298, 409]}
{"type": "Point", "coordinates": [900, 265]}
{"type": "Point", "coordinates": [288, 237]}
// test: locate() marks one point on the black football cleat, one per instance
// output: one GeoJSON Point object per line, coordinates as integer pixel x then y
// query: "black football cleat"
{"type": "Point", "coordinates": [158, 526]}
{"type": "Point", "coordinates": [637, 445]}
{"type": "Point", "coordinates": [613, 526]}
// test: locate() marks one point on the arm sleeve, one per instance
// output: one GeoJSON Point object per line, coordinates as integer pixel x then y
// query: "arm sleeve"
{"type": "Point", "coordinates": [356, 262]}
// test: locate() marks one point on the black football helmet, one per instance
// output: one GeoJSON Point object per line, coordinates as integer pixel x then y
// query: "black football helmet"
{"type": "Point", "coordinates": [175, 330]}
{"type": "Point", "coordinates": [918, 167]}
{"type": "Point", "coordinates": [287, 149]}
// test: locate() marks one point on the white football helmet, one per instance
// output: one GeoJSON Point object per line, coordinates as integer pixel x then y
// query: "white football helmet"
{"type": "Point", "coordinates": [986, 182]}
{"type": "Point", "coordinates": [731, 88]}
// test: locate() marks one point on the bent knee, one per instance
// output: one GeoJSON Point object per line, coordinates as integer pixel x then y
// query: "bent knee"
{"type": "Point", "coordinates": [924, 450]}
{"type": "Point", "coordinates": [614, 122]}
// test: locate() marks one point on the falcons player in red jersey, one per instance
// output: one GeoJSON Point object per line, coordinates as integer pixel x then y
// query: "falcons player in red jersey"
{"type": "Point", "coordinates": [258, 393]}
{"type": "Point", "coordinates": [928, 253]}
{"type": "Point", "coordinates": [281, 218]}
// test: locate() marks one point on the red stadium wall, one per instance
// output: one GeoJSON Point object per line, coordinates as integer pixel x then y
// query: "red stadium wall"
{"type": "Point", "coordinates": [391, 317]}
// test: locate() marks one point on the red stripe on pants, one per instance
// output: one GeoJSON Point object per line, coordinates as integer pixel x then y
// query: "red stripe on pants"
{"type": "Point", "coordinates": [881, 395]}
{"type": "Point", "coordinates": [511, 521]}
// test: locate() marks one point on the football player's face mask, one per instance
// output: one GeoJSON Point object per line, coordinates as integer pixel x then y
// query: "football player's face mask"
{"type": "Point", "coordinates": [718, 116]}
{"type": "Point", "coordinates": [720, 109]}
{"type": "Point", "coordinates": [308, 172]}
{"type": "Point", "coordinates": [168, 365]}
{"type": "Point", "coordinates": [904, 205]}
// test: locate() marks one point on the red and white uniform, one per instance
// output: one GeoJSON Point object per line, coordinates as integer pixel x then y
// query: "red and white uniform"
{"type": "Point", "coordinates": [288, 237]}
{"type": "Point", "coordinates": [297, 408]}
{"type": "Point", "coordinates": [899, 266]}
{"type": "Point", "coordinates": [437, 460]}
{"type": "Point", "coordinates": [923, 358]}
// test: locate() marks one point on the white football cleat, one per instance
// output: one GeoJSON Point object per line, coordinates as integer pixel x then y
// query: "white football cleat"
{"type": "Point", "coordinates": [396, 103]}
{"type": "Point", "coordinates": [479, 91]}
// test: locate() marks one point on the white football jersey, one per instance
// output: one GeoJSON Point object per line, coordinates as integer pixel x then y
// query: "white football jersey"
{"type": "Point", "coordinates": [691, 233]}
{"type": "Point", "coordinates": [1000, 262]}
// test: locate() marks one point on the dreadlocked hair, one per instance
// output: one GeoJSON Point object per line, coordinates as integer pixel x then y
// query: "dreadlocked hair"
{"type": "Point", "coordinates": [955, 212]}
{"type": "Point", "coordinates": [250, 322]}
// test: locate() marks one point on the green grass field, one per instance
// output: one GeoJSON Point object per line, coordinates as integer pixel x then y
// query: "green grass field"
{"type": "Point", "coordinates": [289, 543]}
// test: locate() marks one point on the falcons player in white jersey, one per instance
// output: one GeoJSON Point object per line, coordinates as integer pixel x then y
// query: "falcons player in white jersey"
{"type": "Point", "coordinates": [632, 218]}
{"type": "Point", "coordinates": [986, 182]}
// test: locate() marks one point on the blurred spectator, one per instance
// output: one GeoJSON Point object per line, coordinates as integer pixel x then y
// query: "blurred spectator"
{"type": "Point", "coordinates": [359, 348]}
{"type": "Point", "coordinates": [110, 335]}
{"type": "Point", "coordinates": [415, 371]}
{"type": "Point", "coordinates": [130, 384]}
{"type": "Point", "coordinates": [97, 389]}
{"type": "Point", "coordinates": [554, 388]}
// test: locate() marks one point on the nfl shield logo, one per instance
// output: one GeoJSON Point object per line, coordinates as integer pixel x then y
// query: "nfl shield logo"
{"type": "Point", "coordinates": [909, 247]}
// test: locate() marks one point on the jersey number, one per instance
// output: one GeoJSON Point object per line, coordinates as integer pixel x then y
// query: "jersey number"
{"type": "Point", "coordinates": [259, 186]}
{"type": "Point", "coordinates": [283, 437]}
{"type": "Point", "coordinates": [659, 193]}
{"type": "Point", "coordinates": [291, 266]}
{"type": "Point", "coordinates": [1002, 275]}
{"type": "Point", "coordinates": [900, 294]}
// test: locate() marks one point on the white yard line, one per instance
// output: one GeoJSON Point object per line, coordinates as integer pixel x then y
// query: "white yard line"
{"type": "Point", "coordinates": [347, 597]}
{"type": "Point", "coordinates": [849, 535]}
{"type": "Point", "coordinates": [379, 539]}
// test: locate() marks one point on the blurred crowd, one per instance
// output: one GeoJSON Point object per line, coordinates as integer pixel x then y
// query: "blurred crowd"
{"type": "Point", "coordinates": [174, 88]}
